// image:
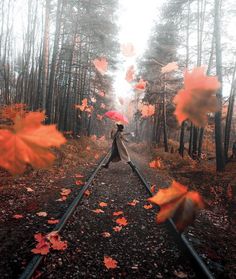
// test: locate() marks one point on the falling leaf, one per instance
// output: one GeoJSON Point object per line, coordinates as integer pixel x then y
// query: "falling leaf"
{"type": "Point", "coordinates": [98, 211]}
{"type": "Point", "coordinates": [106, 234]}
{"type": "Point", "coordinates": [130, 74]}
{"type": "Point", "coordinates": [84, 106]}
{"type": "Point", "coordinates": [79, 182]}
{"type": "Point", "coordinates": [147, 206]}
{"type": "Point", "coordinates": [11, 111]}
{"type": "Point", "coordinates": [102, 204]}
{"type": "Point", "coordinates": [117, 213]}
{"type": "Point", "coordinates": [122, 221]}
{"type": "Point", "coordinates": [133, 203]}
{"type": "Point", "coordinates": [53, 221]}
{"type": "Point", "coordinates": [177, 203]}
{"type": "Point", "coordinates": [110, 263]}
{"type": "Point", "coordinates": [42, 214]}
{"type": "Point", "coordinates": [197, 98]}
{"type": "Point", "coordinates": [27, 142]}
{"type": "Point", "coordinates": [128, 49]}
{"type": "Point", "coordinates": [147, 110]}
{"type": "Point", "coordinates": [101, 65]}
{"type": "Point", "coordinates": [155, 164]}
{"type": "Point", "coordinates": [101, 94]}
{"type": "Point", "coordinates": [117, 228]}
{"type": "Point", "coordinates": [141, 85]}
{"type": "Point", "coordinates": [18, 216]}
{"type": "Point", "coordinates": [29, 189]}
{"type": "Point", "coordinates": [173, 66]}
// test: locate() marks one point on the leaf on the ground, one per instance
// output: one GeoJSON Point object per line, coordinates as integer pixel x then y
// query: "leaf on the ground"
{"type": "Point", "coordinates": [117, 213]}
{"type": "Point", "coordinates": [101, 65]}
{"type": "Point", "coordinates": [180, 274]}
{"type": "Point", "coordinates": [65, 192]}
{"type": "Point", "coordinates": [98, 210]}
{"type": "Point", "coordinates": [79, 182]}
{"type": "Point", "coordinates": [133, 203]}
{"type": "Point", "coordinates": [155, 164]}
{"type": "Point", "coordinates": [117, 228]}
{"type": "Point", "coordinates": [147, 206]}
{"type": "Point", "coordinates": [56, 242]}
{"type": "Point", "coordinates": [18, 216]}
{"type": "Point", "coordinates": [153, 188]}
{"type": "Point", "coordinates": [43, 246]}
{"type": "Point", "coordinates": [177, 203]}
{"type": "Point", "coordinates": [122, 221]}
{"type": "Point", "coordinates": [27, 142]}
{"type": "Point", "coordinates": [110, 263]}
{"type": "Point", "coordinates": [102, 204]}
{"type": "Point", "coordinates": [29, 189]}
{"type": "Point", "coordinates": [53, 221]}
{"type": "Point", "coordinates": [42, 214]}
{"type": "Point", "coordinates": [106, 234]}
{"type": "Point", "coordinates": [87, 193]}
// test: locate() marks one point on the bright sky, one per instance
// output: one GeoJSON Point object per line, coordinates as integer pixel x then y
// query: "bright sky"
{"type": "Point", "coordinates": [135, 20]}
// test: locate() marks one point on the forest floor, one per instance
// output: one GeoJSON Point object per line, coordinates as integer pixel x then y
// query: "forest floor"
{"type": "Point", "coordinates": [142, 248]}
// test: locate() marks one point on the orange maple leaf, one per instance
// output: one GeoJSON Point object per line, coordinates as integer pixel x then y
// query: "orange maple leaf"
{"type": "Point", "coordinates": [102, 204]}
{"type": "Point", "coordinates": [122, 221]}
{"type": "Point", "coordinates": [43, 246]}
{"type": "Point", "coordinates": [56, 242]}
{"type": "Point", "coordinates": [84, 106]}
{"type": "Point", "coordinates": [98, 211]}
{"type": "Point", "coordinates": [65, 191]}
{"type": "Point", "coordinates": [177, 203]}
{"type": "Point", "coordinates": [155, 164]}
{"type": "Point", "coordinates": [109, 262]}
{"type": "Point", "coordinates": [117, 213]}
{"type": "Point", "coordinates": [101, 65]}
{"type": "Point", "coordinates": [27, 142]}
{"type": "Point", "coordinates": [53, 221]}
{"type": "Point", "coordinates": [197, 98]}
{"type": "Point", "coordinates": [153, 188]}
{"type": "Point", "coordinates": [11, 111]}
{"type": "Point", "coordinates": [130, 74]}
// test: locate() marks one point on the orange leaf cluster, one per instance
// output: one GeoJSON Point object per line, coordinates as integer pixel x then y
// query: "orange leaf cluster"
{"type": "Point", "coordinates": [27, 142]}
{"type": "Point", "coordinates": [177, 203]}
{"type": "Point", "coordinates": [197, 98]}
{"type": "Point", "coordinates": [130, 74]}
{"type": "Point", "coordinates": [51, 240]}
{"type": "Point", "coordinates": [147, 110]}
{"type": "Point", "coordinates": [106, 234]}
{"type": "Point", "coordinates": [101, 65]}
{"type": "Point", "coordinates": [110, 263]}
{"type": "Point", "coordinates": [141, 85]}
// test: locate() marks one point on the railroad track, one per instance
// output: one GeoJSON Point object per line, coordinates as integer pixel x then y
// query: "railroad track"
{"type": "Point", "coordinates": [199, 266]}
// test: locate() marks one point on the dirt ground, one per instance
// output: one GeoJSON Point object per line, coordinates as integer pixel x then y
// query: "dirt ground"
{"type": "Point", "coordinates": [142, 249]}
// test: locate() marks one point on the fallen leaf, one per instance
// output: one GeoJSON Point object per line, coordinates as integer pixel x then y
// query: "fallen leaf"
{"type": "Point", "coordinates": [18, 216]}
{"type": "Point", "coordinates": [122, 221]}
{"type": "Point", "coordinates": [42, 214]}
{"type": "Point", "coordinates": [65, 191]}
{"type": "Point", "coordinates": [43, 246]}
{"type": "Point", "coordinates": [102, 204]}
{"type": "Point", "coordinates": [177, 203]}
{"type": "Point", "coordinates": [110, 263]}
{"type": "Point", "coordinates": [87, 193]}
{"type": "Point", "coordinates": [180, 274]}
{"type": "Point", "coordinates": [98, 211]}
{"type": "Point", "coordinates": [79, 182]}
{"type": "Point", "coordinates": [117, 228]}
{"type": "Point", "coordinates": [29, 189]}
{"type": "Point", "coordinates": [147, 206]}
{"type": "Point", "coordinates": [117, 213]}
{"type": "Point", "coordinates": [56, 242]}
{"type": "Point", "coordinates": [133, 203]}
{"type": "Point", "coordinates": [106, 234]}
{"type": "Point", "coordinates": [53, 221]}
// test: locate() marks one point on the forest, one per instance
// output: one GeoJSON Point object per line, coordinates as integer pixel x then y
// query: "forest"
{"type": "Point", "coordinates": [117, 139]}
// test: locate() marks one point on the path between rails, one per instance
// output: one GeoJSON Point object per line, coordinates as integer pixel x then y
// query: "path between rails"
{"type": "Point", "coordinates": [142, 249]}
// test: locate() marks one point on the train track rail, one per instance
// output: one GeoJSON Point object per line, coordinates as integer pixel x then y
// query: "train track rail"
{"type": "Point", "coordinates": [199, 266]}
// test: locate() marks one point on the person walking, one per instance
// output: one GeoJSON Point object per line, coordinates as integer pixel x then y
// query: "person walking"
{"type": "Point", "coordinates": [118, 150]}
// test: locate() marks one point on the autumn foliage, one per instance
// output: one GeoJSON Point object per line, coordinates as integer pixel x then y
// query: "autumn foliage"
{"type": "Point", "coordinates": [197, 98]}
{"type": "Point", "coordinates": [177, 203]}
{"type": "Point", "coordinates": [27, 141]}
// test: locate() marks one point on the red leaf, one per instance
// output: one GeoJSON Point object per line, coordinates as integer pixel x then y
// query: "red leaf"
{"type": "Point", "coordinates": [122, 221]}
{"type": "Point", "coordinates": [117, 228]}
{"type": "Point", "coordinates": [87, 193]}
{"type": "Point", "coordinates": [17, 216]}
{"type": "Point", "coordinates": [141, 85]}
{"type": "Point", "coordinates": [102, 204]}
{"type": "Point", "coordinates": [155, 164]}
{"type": "Point", "coordinates": [110, 263]}
{"type": "Point", "coordinates": [53, 221]}
{"type": "Point", "coordinates": [101, 65]}
{"type": "Point", "coordinates": [79, 182]}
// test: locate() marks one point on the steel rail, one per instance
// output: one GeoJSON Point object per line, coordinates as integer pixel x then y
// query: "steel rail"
{"type": "Point", "coordinates": [199, 266]}
{"type": "Point", "coordinates": [37, 259]}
